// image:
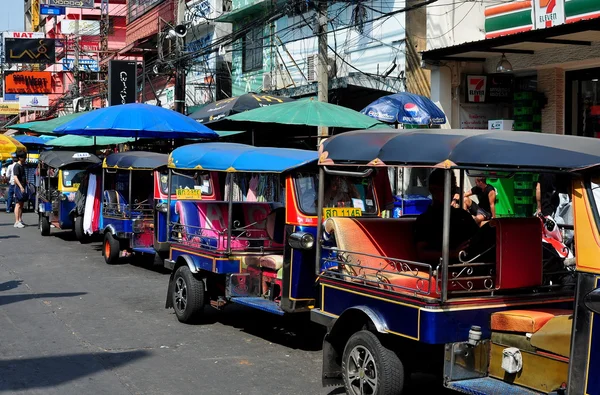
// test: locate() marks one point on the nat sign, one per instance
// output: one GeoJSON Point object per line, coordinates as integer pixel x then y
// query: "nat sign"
{"type": "Point", "coordinates": [122, 82]}
{"type": "Point", "coordinates": [28, 82]}
{"type": "Point", "coordinates": [26, 50]}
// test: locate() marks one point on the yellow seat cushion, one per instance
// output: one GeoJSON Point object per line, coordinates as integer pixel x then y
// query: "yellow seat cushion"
{"type": "Point", "coordinates": [555, 336]}
{"type": "Point", "coordinates": [524, 321]}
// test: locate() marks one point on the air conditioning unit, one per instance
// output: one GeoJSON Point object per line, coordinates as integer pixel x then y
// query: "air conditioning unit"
{"type": "Point", "coordinates": [312, 63]}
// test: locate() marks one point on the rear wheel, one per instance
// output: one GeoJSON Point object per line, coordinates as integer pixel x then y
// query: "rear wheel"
{"type": "Point", "coordinates": [111, 249]}
{"type": "Point", "coordinates": [79, 232]}
{"type": "Point", "coordinates": [44, 225]}
{"type": "Point", "coordinates": [187, 295]}
{"type": "Point", "coordinates": [370, 368]}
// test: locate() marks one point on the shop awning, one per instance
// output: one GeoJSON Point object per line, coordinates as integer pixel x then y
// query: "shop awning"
{"type": "Point", "coordinates": [244, 11]}
{"type": "Point", "coordinates": [581, 33]}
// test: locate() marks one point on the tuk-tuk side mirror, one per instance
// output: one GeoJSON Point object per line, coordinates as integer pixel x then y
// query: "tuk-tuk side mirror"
{"type": "Point", "coordinates": [592, 301]}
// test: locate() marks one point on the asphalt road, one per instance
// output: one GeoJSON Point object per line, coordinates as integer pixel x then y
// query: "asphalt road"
{"type": "Point", "coordinates": [71, 324]}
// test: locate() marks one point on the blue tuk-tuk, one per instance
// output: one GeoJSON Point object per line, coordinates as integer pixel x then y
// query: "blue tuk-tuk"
{"type": "Point", "coordinates": [495, 315]}
{"type": "Point", "coordinates": [133, 213]}
{"type": "Point", "coordinates": [60, 173]}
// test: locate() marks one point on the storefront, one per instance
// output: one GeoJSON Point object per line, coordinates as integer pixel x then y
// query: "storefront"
{"type": "Point", "coordinates": [538, 69]}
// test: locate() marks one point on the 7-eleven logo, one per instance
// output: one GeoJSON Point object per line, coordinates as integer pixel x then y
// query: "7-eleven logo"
{"type": "Point", "coordinates": [549, 13]}
{"type": "Point", "coordinates": [476, 87]}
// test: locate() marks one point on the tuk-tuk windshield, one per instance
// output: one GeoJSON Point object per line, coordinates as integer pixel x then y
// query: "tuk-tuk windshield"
{"type": "Point", "coordinates": [186, 180]}
{"type": "Point", "coordinates": [340, 191]}
{"type": "Point", "coordinates": [72, 177]}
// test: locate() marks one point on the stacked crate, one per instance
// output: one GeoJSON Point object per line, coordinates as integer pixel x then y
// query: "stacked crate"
{"type": "Point", "coordinates": [515, 197]}
{"type": "Point", "coordinates": [527, 111]}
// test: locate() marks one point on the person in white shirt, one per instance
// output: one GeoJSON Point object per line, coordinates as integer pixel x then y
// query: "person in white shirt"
{"type": "Point", "coordinates": [11, 188]}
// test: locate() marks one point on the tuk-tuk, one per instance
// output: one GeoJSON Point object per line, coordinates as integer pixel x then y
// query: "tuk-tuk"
{"type": "Point", "coordinates": [491, 316]}
{"type": "Point", "coordinates": [60, 173]}
{"type": "Point", "coordinates": [133, 213]}
{"type": "Point", "coordinates": [239, 230]}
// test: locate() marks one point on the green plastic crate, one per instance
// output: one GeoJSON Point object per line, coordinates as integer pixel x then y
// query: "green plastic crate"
{"type": "Point", "coordinates": [504, 196]}
{"type": "Point", "coordinates": [523, 95]}
{"type": "Point", "coordinates": [524, 192]}
{"type": "Point", "coordinates": [524, 177]}
{"type": "Point", "coordinates": [524, 126]}
{"type": "Point", "coordinates": [520, 200]}
{"type": "Point", "coordinates": [524, 185]}
{"type": "Point", "coordinates": [524, 210]}
{"type": "Point", "coordinates": [523, 110]}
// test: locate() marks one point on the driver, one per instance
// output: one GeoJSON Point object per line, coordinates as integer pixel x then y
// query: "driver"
{"type": "Point", "coordinates": [339, 192]}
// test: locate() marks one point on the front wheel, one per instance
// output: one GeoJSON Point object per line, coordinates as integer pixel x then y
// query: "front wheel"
{"type": "Point", "coordinates": [187, 295]}
{"type": "Point", "coordinates": [44, 225]}
{"type": "Point", "coordinates": [111, 249]}
{"type": "Point", "coordinates": [79, 232]}
{"type": "Point", "coordinates": [370, 368]}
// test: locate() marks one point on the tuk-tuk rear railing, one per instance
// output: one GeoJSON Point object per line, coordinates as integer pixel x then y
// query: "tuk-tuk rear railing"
{"type": "Point", "coordinates": [125, 211]}
{"type": "Point", "coordinates": [243, 238]}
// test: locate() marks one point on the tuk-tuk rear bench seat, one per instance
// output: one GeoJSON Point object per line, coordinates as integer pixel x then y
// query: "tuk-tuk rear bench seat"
{"type": "Point", "coordinates": [543, 338]}
{"type": "Point", "coordinates": [367, 243]}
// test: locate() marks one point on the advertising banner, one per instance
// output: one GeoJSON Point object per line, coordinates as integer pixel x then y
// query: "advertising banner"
{"type": "Point", "coordinates": [26, 50]}
{"type": "Point", "coordinates": [122, 82]}
{"type": "Point", "coordinates": [86, 28]}
{"type": "Point", "coordinates": [33, 102]}
{"type": "Point", "coordinates": [473, 116]}
{"type": "Point", "coordinates": [90, 65]}
{"type": "Point", "coordinates": [28, 82]}
{"type": "Point", "coordinates": [476, 85]}
{"type": "Point", "coordinates": [500, 88]}
{"type": "Point", "coordinates": [9, 108]}
{"type": "Point", "coordinates": [24, 35]}
{"type": "Point", "coordinates": [72, 3]}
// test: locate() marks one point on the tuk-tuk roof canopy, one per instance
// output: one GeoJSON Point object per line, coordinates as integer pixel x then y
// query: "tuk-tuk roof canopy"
{"type": "Point", "coordinates": [135, 160]}
{"type": "Point", "coordinates": [58, 159]}
{"type": "Point", "coordinates": [457, 148]}
{"type": "Point", "coordinates": [233, 157]}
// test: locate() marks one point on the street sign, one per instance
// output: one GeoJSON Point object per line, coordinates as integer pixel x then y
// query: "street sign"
{"type": "Point", "coordinates": [51, 10]}
{"type": "Point", "coordinates": [122, 82]}
{"type": "Point", "coordinates": [84, 64]}
{"type": "Point", "coordinates": [72, 3]}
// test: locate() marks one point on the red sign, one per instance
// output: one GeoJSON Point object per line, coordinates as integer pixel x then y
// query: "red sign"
{"type": "Point", "coordinates": [476, 88]}
{"type": "Point", "coordinates": [28, 82]}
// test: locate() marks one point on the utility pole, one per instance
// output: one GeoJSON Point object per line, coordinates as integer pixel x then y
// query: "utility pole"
{"type": "Point", "coordinates": [322, 74]}
{"type": "Point", "coordinates": [179, 64]}
{"type": "Point", "coordinates": [76, 61]}
{"type": "Point", "coordinates": [104, 30]}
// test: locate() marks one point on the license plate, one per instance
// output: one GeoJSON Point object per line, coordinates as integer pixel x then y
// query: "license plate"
{"type": "Point", "coordinates": [341, 212]}
{"type": "Point", "coordinates": [189, 194]}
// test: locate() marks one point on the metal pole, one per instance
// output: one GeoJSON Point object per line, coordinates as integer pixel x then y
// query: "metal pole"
{"type": "Point", "coordinates": [169, 204]}
{"type": "Point", "coordinates": [130, 180]}
{"type": "Point", "coordinates": [446, 233]}
{"type": "Point", "coordinates": [321, 196]}
{"type": "Point", "coordinates": [322, 75]}
{"type": "Point", "coordinates": [230, 213]}
{"type": "Point", "coordinates": [462, 190]}
{"type": "Point", "coordinates": [180, 72]}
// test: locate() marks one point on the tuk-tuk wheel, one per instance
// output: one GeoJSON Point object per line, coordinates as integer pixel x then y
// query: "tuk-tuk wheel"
{"type": "Point", "coordinates": [370, 368]}
{"type": "Point", "coordinates": [78, 226]}
{"type": "Point", "coordinates": [44, 225]}
{"type": "Point", "coordinates": [187, 295]}
{"type": "Point", "coordinates": [111, 249]}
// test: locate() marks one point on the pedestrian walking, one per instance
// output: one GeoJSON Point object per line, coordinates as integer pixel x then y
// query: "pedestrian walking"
{"type": "Point", "coordinates": [11, 187]}
{"type": "Point", "coordinates": [21, 194]}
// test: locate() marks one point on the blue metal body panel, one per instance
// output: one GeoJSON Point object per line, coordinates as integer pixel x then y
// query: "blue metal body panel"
{"type": "Point", "coordinates": [119, 225]}
{"type": "Point", "coordinates": [417, 320]}
{"type": "Point", "coordinates": [489, 386]}
{"type": "Point", "coordinates": [209, 263]}
{"type": "Point", "coordinates": [47, 207]}
{"type": "Point", "coordinates": [259, 303]}
{"type": "Point", "coordinates": [144, 250]}
{"type": "Point", "coordinates": [302, 269]}
{"type": "Point", "coordinates": [65, 208]}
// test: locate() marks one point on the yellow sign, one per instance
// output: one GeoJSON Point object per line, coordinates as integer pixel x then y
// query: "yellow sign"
{"type": "Point", "coordinates": [341, 212]}
{"type": "Point", "coordinates": [9, 108]}
{"type": "Point", "coordinates": [189, 194]}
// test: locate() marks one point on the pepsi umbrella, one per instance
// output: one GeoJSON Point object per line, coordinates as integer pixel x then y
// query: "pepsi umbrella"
{"type": "Point", "coordinates": [216, 111]}
{"type": "Point", "coordinates": [30, 140]}
{"type": "Point", "coordinates": [406, 108]}
{"type": "Point", "coordinates": [136, 120]}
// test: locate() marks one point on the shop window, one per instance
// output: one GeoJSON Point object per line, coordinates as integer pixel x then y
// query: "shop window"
{"type": "Point", "coordinates": [137, 8]}
{"type": "Point", "coordinates": [253, 50]}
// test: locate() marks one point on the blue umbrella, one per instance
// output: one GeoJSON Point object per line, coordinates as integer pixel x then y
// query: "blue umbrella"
{"type": "Point", "coordinates": [136, 120]}
{"type": "Point", "coordinates": [29, 140]}
{"type": "Point", "coordinates": [406, 108]}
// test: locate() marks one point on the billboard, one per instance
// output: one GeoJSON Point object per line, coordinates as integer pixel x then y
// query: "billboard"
{"type": "Point", "coordinates": [90, 65]}
{"type": "Point", "coordinates": [72, 3]}
{"type": "Point", "coordinates": [86, 28]}
{"type": "Point", "coordinates": [9, 108]}
{"type": "Point", "coordinates": [33, 102]}
{"type": "Point", "coordinates": [122, 82]}
{"type": "Point", "coordinates": [27, 50]}
{"type": "Point", "coordinates": [24, 34]}
{"type": "Point", "coordinates": [28, 82]}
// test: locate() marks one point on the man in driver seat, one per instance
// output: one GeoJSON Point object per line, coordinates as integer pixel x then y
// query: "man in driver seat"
{"type": "Point", "coordinates": [429, 225]}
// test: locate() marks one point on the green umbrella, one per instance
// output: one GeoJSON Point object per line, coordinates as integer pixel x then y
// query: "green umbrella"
{"type": "Point", "coordinates": [308, 112]}
{"type": "Point", "coordinates": [70, 140]}
{"type": "Point", "coordinates": [46, 127]}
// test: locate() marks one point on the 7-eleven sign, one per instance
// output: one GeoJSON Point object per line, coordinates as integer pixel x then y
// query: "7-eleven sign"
{"type": "Point", "coordinates": [476, 85]}
{"type": "Point", "coordinates": [548, 13]}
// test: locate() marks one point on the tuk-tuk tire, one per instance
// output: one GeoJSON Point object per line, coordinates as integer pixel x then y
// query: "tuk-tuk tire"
{"type": "Point", "coordinates": [44, 225]}
{"type": "Point", "coordinates": [194, 295]}
{"type": "Point", "coordinates": [111, 248]}
{"type": "Point", "coordinates": [78, 226]}
{"type": "Point", "coordinates": [389, 368]}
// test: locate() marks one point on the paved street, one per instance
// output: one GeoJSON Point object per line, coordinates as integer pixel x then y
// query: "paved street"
{"type": "Point", "coordinates": [70, 324]}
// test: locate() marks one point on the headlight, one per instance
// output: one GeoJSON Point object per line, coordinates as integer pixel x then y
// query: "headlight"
{"type": "Point", "coordinates": [301, 240]}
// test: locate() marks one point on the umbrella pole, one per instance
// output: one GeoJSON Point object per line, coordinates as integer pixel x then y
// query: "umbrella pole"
{"type": "Point", "coordinates": [252, 136]}
{"type": "Point", "coordinates": [94, 148]}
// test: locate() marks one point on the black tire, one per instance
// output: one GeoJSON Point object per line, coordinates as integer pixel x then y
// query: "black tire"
{"type": "Point", "coordinates": [368, 363]}
{"type": "Point", "coordinates": [111, 248]}
{"type": "Point", "coordinates": [78, 226]}
{"type": "Point", "coordinates": [44, 225]}
{"type": "Point", "coordinates": [187, 295]}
